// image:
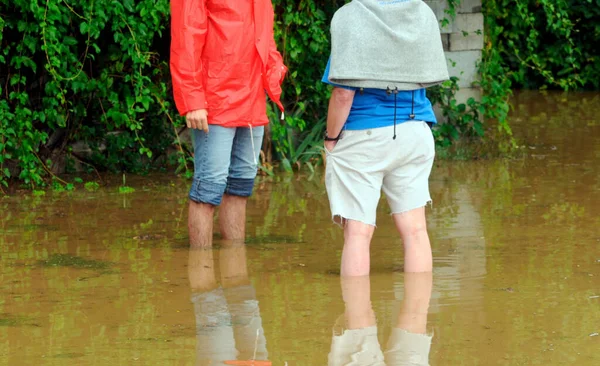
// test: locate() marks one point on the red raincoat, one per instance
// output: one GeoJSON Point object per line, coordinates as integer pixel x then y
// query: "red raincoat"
{"type": "Point", "coordinates": [224, 58]}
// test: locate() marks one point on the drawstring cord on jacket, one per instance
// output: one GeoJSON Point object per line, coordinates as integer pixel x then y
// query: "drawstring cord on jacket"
{"type": "Point", "coordinates": [252, 138]}
{"type": "Point", "coordinates": [395, 109]}
{"type": "Point", "coordinates": [395, 92]}
{"type": "Point", "coordinates": [412, 107]}
{"type": "Point", "coordinates": [252, 141]}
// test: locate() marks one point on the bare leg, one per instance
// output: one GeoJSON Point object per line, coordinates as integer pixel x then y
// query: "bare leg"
{"type": "Point", "coordinates": [234, 267]}
{"type": "Point", "coordinates": [409, 343]}
{"type": "Point", "coordinates": [241, 298]}
{"type": "Point", "coordinates": [357, 297]}
{"type": "Point", "coordinates": [356, 259]}
{"type": "Point", "coordinates": [417, 249]}
{"type": "Point", "coordinates": [415, 306]}
{"type": "Point", "coordinates": [232, 217]}
{"type": "Point", "coordinates": [200, 224]}
{"type": "Point", "coordinates": [201, 269]}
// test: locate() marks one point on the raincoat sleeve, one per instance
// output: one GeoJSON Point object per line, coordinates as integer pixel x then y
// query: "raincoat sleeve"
{"type": "Point", "coordinates": [276, 62]}
{"type": "Point", "coordinates": [276, 71]}
{"type": "Point", "coordinates": [188, 35]}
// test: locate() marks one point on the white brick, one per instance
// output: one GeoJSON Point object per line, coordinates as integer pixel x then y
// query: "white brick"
{"type": "Point", "coordinates": [462, 42]}
{"type": "Point", "coordinates": [466, 10]}
{"type": "Point", "coordinates": [464, 94]}
{"type": "Point", "coordinates": [468, 23]}
{"type": "Point", "coordinates": [446, 42]}
{"type": "Point", "coordinates": [463, 64]}
{"type": "Point", "coordinates": [438, 7]}
{"type": "Point", "coordinates": [469, 6]}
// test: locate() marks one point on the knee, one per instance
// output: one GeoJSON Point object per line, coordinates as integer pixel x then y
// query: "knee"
{"type": "Point", "coordinates": [416, 229]}
{"type": "Point", "coordinates": [355, 229]}
{"type": "Point", "coordinates": [201, 209]}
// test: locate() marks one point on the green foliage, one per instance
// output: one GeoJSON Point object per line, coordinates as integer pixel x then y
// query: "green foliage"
{"type": "Point", "coordinates": [91, 186]}
{"type": "Point", "coordinates": [302, 29]}
{"type": "Point", "coordinates": [467, 121]}
{"type": "Point", "coordinates": [96, 72]}
{"type": "Point", "coordinates": [465, 118]}
{"type": "Point", "coordinates": [547, 43]}
{"type": "Point", "coordinates": [83, 70]}
{"type": "Point", "coordinates": [124, 189]}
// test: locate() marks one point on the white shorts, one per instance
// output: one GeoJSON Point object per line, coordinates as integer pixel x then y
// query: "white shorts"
{"type": "Point", "coordinates": [406, 348]}
{"type": "Point", "coordinates": [356, 347]}
{"type": "Point", "coordinates": [361, 347]}
{"type": "Point", "coordinates": [364, 162]}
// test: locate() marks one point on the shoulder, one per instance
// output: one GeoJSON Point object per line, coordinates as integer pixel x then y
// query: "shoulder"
{"type": "Point", "coordinates": [341, 13]}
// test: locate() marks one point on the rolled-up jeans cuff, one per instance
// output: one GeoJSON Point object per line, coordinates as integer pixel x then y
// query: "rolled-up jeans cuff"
{"type": "Point", "coordinates": [206, 192]}
{"type": "Point", "coordinates": [239, 187]}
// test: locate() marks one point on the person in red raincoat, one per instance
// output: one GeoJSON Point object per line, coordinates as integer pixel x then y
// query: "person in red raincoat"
{"type": "Point", "coordinates": [224, 62]}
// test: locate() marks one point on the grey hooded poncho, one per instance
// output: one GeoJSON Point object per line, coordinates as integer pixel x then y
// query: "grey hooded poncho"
{"type": "Point", "coordinates": [386, 44]}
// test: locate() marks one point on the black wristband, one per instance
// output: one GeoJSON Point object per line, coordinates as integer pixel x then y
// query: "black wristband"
{"type": "Point", "coordinates": [327, 138]}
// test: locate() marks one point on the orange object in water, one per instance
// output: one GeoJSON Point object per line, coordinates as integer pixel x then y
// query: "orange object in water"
{"type": "Point", "coordinates": [249, 363]}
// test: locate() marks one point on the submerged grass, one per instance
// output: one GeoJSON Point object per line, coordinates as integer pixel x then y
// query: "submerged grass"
{"type": "Point", "coordinates": [68, 260]}
{"type": "Point", "coordinates": [272, 239]}
{"type": "Point", "coordinates": [468, 150]}
{"type": "Point", "coordinates": [68, 355]}
{"type": "Point", "coordinates": [8, 320]}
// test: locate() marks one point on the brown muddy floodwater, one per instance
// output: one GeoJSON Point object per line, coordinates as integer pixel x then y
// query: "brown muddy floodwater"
{"type": "Point", "coordinates": [105, 278]}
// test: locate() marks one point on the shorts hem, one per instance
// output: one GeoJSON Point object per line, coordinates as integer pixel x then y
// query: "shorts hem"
{"type": "Point", "coordinates": [429, 202]}
{"type": "Point", "coordinates": [342, 219]}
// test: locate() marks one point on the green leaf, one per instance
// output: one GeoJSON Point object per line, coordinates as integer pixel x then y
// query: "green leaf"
{"type": "Point", "coordinates": [91, 186]}
{"type": "Point", "coordinates": [287, 166]}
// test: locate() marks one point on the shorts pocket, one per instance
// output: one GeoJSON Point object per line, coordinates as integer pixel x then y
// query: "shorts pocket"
{"type": "Point", "coordinates": [429, 139]}
{"type": "Point", "coordinates": [329, 152]}
{"type": "Point", "coordinates": [341, 142]}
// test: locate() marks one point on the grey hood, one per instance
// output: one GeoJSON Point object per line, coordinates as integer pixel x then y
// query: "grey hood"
{"type": "Point", "coordinates": [386, 44]}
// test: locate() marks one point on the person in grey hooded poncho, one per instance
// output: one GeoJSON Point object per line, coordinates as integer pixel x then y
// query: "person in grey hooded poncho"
{"type": "Point", "coordinates": [384, 54]}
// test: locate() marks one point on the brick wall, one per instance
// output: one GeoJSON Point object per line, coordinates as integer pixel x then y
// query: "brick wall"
{"type": "Point", "coordinates": [462, 38]}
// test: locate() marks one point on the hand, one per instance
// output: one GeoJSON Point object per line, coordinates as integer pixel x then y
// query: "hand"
{"type": "Point", "coordinates": [330, 145]}
{"type": "Point", "coordinates": [282, 73]}
{"type": "Point", "coordinates": [197, 119]}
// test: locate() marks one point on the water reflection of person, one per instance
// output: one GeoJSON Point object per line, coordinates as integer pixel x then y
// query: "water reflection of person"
{"type": "Point", "coordinates": [355, 342]}
{"type": "Point", "coordinates": [228, 321]}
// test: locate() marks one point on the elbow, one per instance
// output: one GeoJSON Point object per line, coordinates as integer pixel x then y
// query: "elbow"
{"type": "Point", "coordinates": [343, 97]}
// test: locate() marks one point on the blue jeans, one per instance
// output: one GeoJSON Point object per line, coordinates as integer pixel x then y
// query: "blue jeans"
{"type": "Point", "coordinates": [225, 161]}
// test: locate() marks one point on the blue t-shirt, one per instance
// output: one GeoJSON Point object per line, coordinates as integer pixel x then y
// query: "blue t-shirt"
{"type": "Point", "coordinates": [373, 108]}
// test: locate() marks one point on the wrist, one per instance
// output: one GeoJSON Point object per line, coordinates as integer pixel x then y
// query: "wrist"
{"type": "Point", "coordinates": [330, 137]}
